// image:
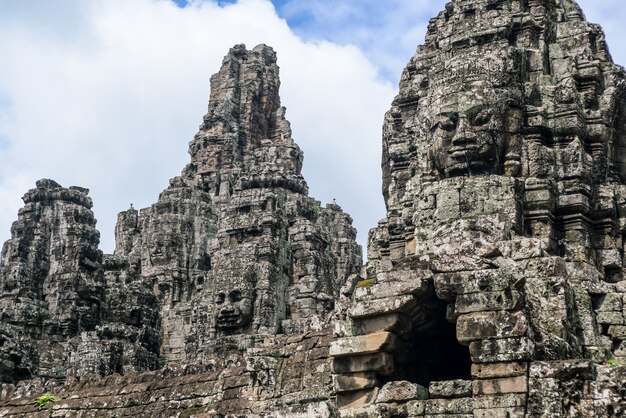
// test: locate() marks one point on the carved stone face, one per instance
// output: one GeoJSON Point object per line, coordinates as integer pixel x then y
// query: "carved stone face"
{"type": "Point", "coordinates": [233, 307]}
{"type": "Point", "coordinates": [468, 142]}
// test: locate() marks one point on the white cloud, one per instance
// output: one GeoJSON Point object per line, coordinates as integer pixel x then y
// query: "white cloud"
{"type": "Point", "coordinates": [107, 94]}
{"type": "Point", "coordinates": [387, 31]}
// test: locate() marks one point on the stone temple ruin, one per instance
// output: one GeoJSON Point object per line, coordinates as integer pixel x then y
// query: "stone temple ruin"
{"type": "Point", "coordinates": [494, 286]}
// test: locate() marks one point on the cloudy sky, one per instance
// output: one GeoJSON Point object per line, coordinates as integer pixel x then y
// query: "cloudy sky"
{"type": "Point", "coordinates": [106, 94]}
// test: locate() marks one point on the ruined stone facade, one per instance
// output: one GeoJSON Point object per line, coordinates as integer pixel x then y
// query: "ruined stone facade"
{"type": "Point", "coordinates": [226, 273]}
{"type": "Point", "coordinates": [496, 278]}
{"type": "Point", "coordinates": [494, 285]}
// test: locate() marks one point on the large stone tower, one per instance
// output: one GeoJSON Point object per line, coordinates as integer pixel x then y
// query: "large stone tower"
{"type": "Point", "coordinates": [496, 278]}
{"type": "Point", "coordinates": [233, 252]}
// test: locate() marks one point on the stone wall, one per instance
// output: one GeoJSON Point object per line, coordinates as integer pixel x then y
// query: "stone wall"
{"type": "Point", "coordinates": [282, 377]}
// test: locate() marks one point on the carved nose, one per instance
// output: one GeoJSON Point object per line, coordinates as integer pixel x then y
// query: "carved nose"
{"type": "Point", "coordinates": [464, 134]}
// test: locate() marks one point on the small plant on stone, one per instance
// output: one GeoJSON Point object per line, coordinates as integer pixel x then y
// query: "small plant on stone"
{"type": "Point", "coordinates": [45, 399]}
{"type": "Point", "coordinates": [615, 362]}
{"type": "Point", "coordinates": [315, 210]}
{"type": "Point", "coordinates": [365, 283]}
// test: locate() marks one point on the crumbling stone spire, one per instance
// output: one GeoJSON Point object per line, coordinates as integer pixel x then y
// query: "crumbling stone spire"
{"type": "Point", "coordinates": [245, 140]}
{"type": "Point", "coordinates": [51, 282]}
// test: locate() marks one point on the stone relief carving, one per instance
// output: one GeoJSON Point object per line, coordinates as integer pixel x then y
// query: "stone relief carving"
{"type": "Point", "coordinates": [234, 302]}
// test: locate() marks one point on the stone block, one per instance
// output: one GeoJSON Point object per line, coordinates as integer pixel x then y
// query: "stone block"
{"type": "Point", "coordinates": [545, 267]}
{"type": "Point", "coordinates": [566, 369]}
{"type": "Point", "coordinates": [392, 322]}
{"type": "Point", "coordinates": [450, 389]}
{"type": "Point", "coordinates": [448, 201]}
{"type": "Point", "coordinates": [449, 285]}
{"type": "Point", "coordinates": [610, 318]}
{"type": "Point", "coordinates": [449, 406]}
{"type": "Point", "coordinates": [354, 381]}
{"type": "Point", "coordinates": [414, 408]}
{"type": "Point", "coordinates": [517, 412]}
{"type": "Point", "coordinates": [518, 384]}
{"type": "Point", "coordinates": [503, 350]}
{"type": "Point", "coordinates": [544, 388]}
{"type": "Point", "coordinates": [448, 416]}
{"type": "Point", "coordinates": [617, 331]}
{"type": "Point", "coordinates": [507, 400]}
{"type": "Point", "coordinates": [610, 302]}
{"type": "Point", "coordinates": [457, 263]}
{"type": "Point", "coordinates": [369, 411]}
{"type": "Point", "coordinates": [382, 306]}
{"type": "Point", "coordinates": [490, 325]}
{"type": "Point", "coordinates": [358, 399]}
{"type": "Point", "coordinates": [381, 363]}
{"type": "Point", "coordinates": [382, 341]}
{"type": "Point", "coordinates": [523, 248]}
{"type": "Point", "coordinates": [401, 391]}
{"type": "Point", "coordinates": [493, 370]}
{"type": "Point", "coordinates": [505, 300]}
{"type": "Point", "coordinates": [417, 286]}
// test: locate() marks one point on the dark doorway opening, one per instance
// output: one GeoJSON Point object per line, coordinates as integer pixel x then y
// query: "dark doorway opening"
{"type": "Point", "coordinates": [431, 351]}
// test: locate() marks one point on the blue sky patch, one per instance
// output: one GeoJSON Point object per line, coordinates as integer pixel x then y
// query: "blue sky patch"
{"type": "Point", "coordinates": [183, 3]}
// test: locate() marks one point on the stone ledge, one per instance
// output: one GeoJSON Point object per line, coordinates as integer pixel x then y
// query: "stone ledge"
{"type": "Point", "coordinates": [364, 344]}
{"type": "Point", "coordinates": [450, 389]}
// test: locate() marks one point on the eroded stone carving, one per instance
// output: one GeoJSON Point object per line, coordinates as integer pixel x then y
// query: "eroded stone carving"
{"type": "Point", "coordinates": [234, 302]}
{"type": "Point", "coordinates": [233, 250]}
{"type": "Point", "coordinates": [503, 178]}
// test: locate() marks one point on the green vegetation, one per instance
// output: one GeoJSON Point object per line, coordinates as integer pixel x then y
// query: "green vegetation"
{"type": "Point", "coordinates": [614, 362]}
{"type": "Point", "coordinates": [316, 209]}
{"type": "Point", "coordinates": [45, 399]}
{"type": "Point", "coordinates": [190, 412]}
{"type": "Point", "coordinates": [365, 283]}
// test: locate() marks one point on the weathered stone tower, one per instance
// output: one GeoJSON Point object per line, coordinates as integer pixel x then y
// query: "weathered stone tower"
{"type": "Point", "coordinates": [232, 266]}
{"type": "Point", "coordinates": [497, 275]}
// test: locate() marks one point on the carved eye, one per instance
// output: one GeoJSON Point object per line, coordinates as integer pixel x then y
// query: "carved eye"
{"type": "Point", "coordinates": [482, 118]}
{"type": "Point", "coordinates": [445, 124]}
{"type": "Point", "coordinates": [219, 299]}
{"type": "Point", "coordinates": [235, 296]}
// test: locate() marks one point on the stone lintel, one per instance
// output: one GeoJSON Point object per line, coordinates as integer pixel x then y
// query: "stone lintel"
{"type": "Point", "coordinates": [392, 322]}
{"type": "Point", "coordinates": [382, 306]}
{"type": "Point", "coordinates": [489, 325]}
